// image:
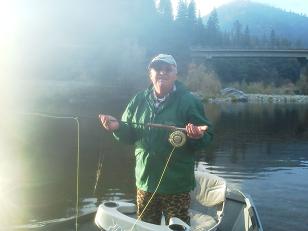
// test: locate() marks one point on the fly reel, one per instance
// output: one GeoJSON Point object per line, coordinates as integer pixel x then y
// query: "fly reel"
{"type": "Point", "coordinates": [177, 138]}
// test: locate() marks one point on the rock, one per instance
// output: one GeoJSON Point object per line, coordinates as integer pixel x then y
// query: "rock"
{"type": "Point", "coordinates": [197, 95]}
{"type": "Point", "coordinates": [234, 94]}
{"type": "Point", "coordinates": [262, 98]}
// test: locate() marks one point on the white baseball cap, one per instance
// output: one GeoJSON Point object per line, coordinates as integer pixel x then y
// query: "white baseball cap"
{"type": "Point", "coordinates": [165, 58]}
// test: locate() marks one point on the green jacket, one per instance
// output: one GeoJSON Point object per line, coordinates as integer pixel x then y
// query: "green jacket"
{"type": "Point", "coordinates": [152, 148]}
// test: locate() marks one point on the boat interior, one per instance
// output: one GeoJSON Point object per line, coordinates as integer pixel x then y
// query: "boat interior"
{"type": "Point", "coordinates": [214, 206]}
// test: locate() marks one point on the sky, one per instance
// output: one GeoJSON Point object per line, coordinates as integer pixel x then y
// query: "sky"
{"type": "Point", "coordinates": [296, 6]}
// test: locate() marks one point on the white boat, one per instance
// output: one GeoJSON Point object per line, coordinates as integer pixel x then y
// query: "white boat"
{"type": "Point", "coordinates": [214, 206]}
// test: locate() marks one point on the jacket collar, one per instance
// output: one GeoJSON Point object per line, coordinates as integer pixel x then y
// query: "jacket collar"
{"type": "Point", "coordinates": [179, 90]}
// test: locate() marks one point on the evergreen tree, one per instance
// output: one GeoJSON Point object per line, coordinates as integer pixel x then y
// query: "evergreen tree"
{"type": "Point", "coordinates": [246, 38]}
{"type": "Point", "coordinates": [237, 34]}
{"type": "Point", "coordinates": [143, 16]}
{"type": "Point", "coordinates": [181, 21]}
{"type": "Point", "coordinates": [298, 44]}
{"type": "Point", "coordinates": [144, 19]}
{"type": "Point", "coordinates": [199, 32]}
{"type": "Point", "coordinates": [285, 43]}
{"type": "Point", "coordinates": [255, 42]}
{"type": "Point", "coordinates": [181, 42]}
{"type": "Point", "coordinates": [165, 27]}
{"type": "Point", "coordinates": [273, 39]}
{"type": "Point", "coordinates": [213, 30]}
{"type": "Point", "coordinates": [182, 12]}
{"type": "Point", "coordinates": [264, 41]}
{"type": "Point", "coordinates": [165, 10]}
{"type": "Point", "coordinates": [191, 13]}
{"type": "Point", "coordinates": [226, 41]}
{"type": "Point", "coordinates": [192, 21]}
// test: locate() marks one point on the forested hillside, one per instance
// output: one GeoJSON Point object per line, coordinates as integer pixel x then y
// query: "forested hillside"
{"type": "Point", "coordinates": [264, 22]}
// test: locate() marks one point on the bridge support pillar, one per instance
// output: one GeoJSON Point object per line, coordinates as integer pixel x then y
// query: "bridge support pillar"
{"type": "Point", "coordinates": [303, 75]}
{"type": "Point", "coordinates": [304, 66]}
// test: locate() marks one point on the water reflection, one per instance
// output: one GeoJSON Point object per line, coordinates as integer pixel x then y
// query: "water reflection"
{"type": "Point", "coordinates": [255, 146]}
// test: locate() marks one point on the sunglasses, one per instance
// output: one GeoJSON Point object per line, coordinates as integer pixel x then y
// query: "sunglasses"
{"type": "Point", "coordinates": [164, 67]}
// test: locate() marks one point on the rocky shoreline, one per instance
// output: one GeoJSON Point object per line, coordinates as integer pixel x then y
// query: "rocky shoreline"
{"type": "Point", "coordinates": [262, 98]}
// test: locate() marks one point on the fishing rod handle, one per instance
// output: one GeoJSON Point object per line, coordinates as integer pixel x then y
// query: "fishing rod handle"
{"type": "Point", "coordinates": [202, 128]}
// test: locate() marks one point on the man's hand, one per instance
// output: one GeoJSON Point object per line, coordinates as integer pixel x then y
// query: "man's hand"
{"type": "Point", "coordinates": [109, 122]}
{"type": "Point", "coordinates": [195, 132]}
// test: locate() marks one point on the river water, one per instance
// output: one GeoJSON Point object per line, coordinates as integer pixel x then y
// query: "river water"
{"type": "Point", "coordinates": [262, 149]}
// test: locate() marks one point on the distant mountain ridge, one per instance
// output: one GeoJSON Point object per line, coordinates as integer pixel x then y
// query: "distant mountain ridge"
{"type": "Point", "coordinates": [261, 19]}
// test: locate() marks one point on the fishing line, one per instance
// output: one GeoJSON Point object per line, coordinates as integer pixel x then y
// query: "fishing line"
{"type": "Point", "coordinates": [159, 182]}
{"type": "Point", "coordinates": [39, 114]}
{"type": "Point", "coordinates": [98, 172]}
{"type": "Point", "coordinates": [78, 153]}
{"type": "Point", "coordinates": [54, 115]}
{"type": "Point", "coordinates": [176, 139]}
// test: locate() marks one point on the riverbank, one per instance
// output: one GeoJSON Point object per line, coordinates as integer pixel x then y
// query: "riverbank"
{"type": "Point", "coordinates": [262, 98]}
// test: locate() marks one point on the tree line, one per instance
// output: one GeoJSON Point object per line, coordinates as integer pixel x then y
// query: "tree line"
{"type": "Point", "coordinates": [188, 27]}
{"type": "Point", "coordinates": [158, 30]}
{"type": "Point", "coordinates": [116, 49]}
{"type": "Point", "coordinates": [116, 40]}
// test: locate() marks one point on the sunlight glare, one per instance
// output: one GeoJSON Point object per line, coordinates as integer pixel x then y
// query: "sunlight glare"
{"type": "Point", "coordinates": [8, 20]}
{"type": "Point", "coordinates": [8, 31]}
{"type": "Point", "coordinates": [9, 180]}
{"type": "Point", "coordinates": [12, 173]}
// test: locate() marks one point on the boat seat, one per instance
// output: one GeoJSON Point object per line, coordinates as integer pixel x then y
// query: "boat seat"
{"type": "Point", "coordinates": [120, 215]}
{"type": "Point", "coordinates": [207, 201]}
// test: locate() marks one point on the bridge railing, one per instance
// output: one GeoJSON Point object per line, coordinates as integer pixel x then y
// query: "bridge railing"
{"type": "Point", "coordinates": [212, 53]}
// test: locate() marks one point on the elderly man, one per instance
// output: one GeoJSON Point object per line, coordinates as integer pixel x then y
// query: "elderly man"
{"type": "Point", "coordinates": [166, 101]}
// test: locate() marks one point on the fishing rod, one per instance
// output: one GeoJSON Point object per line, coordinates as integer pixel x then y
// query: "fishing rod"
{"type": "Point", "coordinates": [177, 138]}
{"type": "Point", "coordinates": [163, 126]}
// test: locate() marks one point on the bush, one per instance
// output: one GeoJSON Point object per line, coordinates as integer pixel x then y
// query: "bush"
{"type": "Point", "coordinates": [203, 80]}
{"type": "Point", "coordinates": [288, 88]}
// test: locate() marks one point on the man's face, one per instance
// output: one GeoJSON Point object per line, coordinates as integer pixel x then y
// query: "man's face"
{"type": "Point", "coordinates": [163, 76]}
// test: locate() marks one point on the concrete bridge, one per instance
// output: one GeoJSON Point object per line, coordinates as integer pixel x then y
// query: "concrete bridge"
{"type": "Point", "coordinates": [301, 54]}
{"type": "Point", "coordinates": [198, 54]}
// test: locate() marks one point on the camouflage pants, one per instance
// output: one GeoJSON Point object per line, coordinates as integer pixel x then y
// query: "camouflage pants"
{"type": "Point", "coordinates": [170, 205]}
